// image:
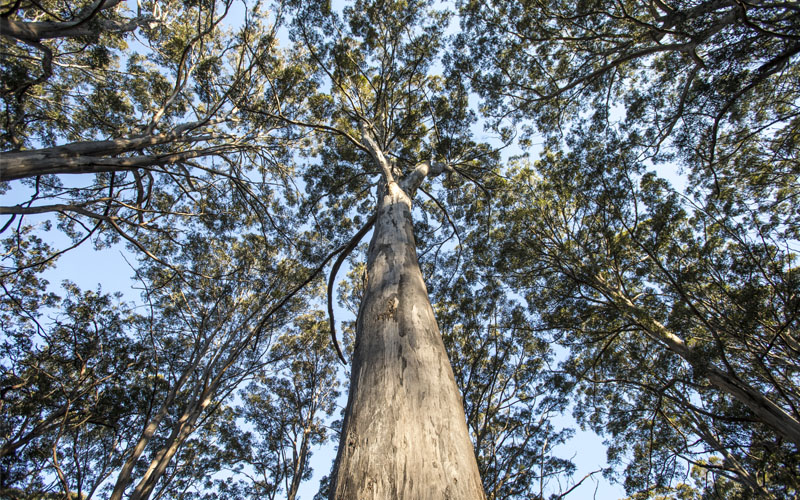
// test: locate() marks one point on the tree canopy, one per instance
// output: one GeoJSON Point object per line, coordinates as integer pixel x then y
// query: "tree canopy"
{"type": "Point", "coordinates": [618, 243]}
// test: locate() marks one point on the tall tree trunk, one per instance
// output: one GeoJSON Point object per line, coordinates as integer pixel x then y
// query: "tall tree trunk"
{"type": "Point", "coordinates": [405, 434]}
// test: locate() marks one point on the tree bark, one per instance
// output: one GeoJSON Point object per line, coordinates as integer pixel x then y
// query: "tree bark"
{"type": "Point", "coordinates": [405, 434]}
{"type": "Point", "coordinates": [101, 156]}
{"type": "Point", "coordinates": [34, 32]}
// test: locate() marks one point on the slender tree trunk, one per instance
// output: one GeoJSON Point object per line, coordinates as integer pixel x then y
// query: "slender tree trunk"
{"type": "Point", "coordinates": [124, 476]}
{"type": "Point", "coordinates": [181, 431]}
{"type": "Point", "coordinates": [299, 466]}
{"type": "Point", "coordinates": [405, 435]}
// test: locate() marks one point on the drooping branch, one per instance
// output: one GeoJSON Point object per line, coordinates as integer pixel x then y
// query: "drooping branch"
{"type": "Point", "coordinates": [354, 241]}
{"type": "Point", "coordinates": [766, 410]}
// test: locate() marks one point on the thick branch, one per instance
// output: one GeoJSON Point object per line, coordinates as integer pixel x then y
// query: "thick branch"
{"type": "Point", "coordinates": [97, 156]}
{"type": "Point", "coordinates": [377, 155]}
{"type": "Point", "coordinates": [414, 180]}
{"type": "Point", "coordinates": [782, 423]}
{"type": "Point", "coordinates": [33, 32]}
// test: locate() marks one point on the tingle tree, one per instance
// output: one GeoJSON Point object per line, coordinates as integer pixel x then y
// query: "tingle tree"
{"type": "Point", "coordinates": [387, 127]}
{"type": "Point", "coordinates": [404, 432]}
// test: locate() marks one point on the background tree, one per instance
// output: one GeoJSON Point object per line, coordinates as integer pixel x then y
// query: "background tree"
{"type": "Point", "coordinates": [690, 295]}
{"type": "Point", "coordinates": [206, 332]}
{"type": "Point", "coordinates": [287, 409]}
{"type": "Point", "coordinates": [62, 401]}
{"type": "Point", "coordinates": [681, 322]}
{"type": "Point", "coordinates": [501, 368]}
{"type": "Point", "coordinates": [172, 166]}
{"type": "Point", "coordinates": [712, 76]}
{"type": "Point", "coordinates": [150, 102]}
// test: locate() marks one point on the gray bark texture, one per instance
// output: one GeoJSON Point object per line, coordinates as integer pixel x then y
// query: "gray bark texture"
{"type": "Point", "coordinates": [101, 156]}
{"type": "Point", "coordinates": [405, 434]}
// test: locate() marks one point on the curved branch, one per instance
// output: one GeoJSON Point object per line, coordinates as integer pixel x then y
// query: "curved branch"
{"type": "Point", "coordinates": [336, 265]}
{"type": "Point", "coordinates": [376, 153]}
{"type": "Point", "coordinates": [34, 32]}
{"type": "Point", "coordinates": [613, 64]}
{"type": "Point", "coordinates": [314, 126]}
